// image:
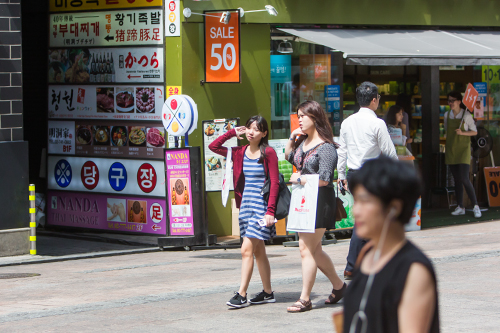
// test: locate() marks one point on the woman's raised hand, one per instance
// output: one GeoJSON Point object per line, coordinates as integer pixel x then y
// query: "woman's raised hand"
{"type": "Point", "coordinates": [296, 132]}
{"type": "Point", "coordinates": [241, 130]}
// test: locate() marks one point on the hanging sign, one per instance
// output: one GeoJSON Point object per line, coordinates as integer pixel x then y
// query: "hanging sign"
{"type": "Point", "coordinates": [180, 115]}
{"type": "Point", "coordinates": [222, 46]}
{"type": "Point", "coordinates": [470, 97]}
{"type": "Point", "coordinates": [73, 5]}
{"type": "Point", "coordinates": [109, 28]}
{"type": "Point", "coordinates": [172, 19]}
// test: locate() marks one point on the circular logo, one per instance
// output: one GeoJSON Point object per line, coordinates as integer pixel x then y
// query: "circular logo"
{"type": "Point", "coordinates": [171, 6]}
{"type": "Point", "coordinates": [156, 213]}
{"type": "Point", "coordinates": [117, 176]}
{"type": "Point", "coordinates": [171, 28]}
{"type": "Point", "coordinates": [90, 175]}
{"type": "Point", "coordinates": [146, 178]}
{"type": "Point", "coordinates": [178, 115]}
{"type": "Point", "coordinates": [171, 17]}
{"type": "Point", "coordinates": [62, 173]}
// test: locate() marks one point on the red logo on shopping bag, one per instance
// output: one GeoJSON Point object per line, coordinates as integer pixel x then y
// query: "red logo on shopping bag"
{"type": "Point", "coordinates": [302, 209]}
{"type": "Point", "coordinates": [303, 200]}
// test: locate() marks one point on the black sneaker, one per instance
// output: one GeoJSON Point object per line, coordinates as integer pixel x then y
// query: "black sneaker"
{"type": "Point", "coordinates": [263, 297]}
{"type": "Point", "coordinates": [238, 301]}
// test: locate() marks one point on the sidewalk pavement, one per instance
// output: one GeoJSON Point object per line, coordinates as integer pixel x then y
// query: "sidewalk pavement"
{"type": "Point", "coordinates": [186, 291]}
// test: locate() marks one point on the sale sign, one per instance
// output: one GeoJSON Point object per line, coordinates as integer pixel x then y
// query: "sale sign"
{"type": "Point", "coordinates": [492, 177]}
{"type": "Point", "coordinates": [222, 46]}
{"type": "Point", "coordinates": [470, 97]}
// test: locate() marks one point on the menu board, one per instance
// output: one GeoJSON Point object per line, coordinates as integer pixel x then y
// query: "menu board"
{"type": "Point", "coordinates": [91, 138]}
{"type": "Point", "coordinates": [215, 165]}
{"type": "Point", "coordinates": [107, 212]}
{"type": "Point", "coordinates": [143, 102]}
{"type": "Point", "coordinates": [73, 5]}
{"type": "Point", "coordinates": [107, 28]}
{"type": "Point", "coordinates": [180, 204]}
{"type": "Point", "coordinates": [90, 65]}
{"type": "Point", "coordinates": [105, 175]}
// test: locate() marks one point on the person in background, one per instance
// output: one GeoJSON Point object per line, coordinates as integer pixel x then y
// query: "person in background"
{"type": "Point", "coordinates": [363, 136]}
{"type": "Point", "coordinates": [394, 119]}
{"type": "Point", "coordinates": [315, 153]}
{"type": "Point", "coordinates": [460, 126]}
{"type": "Point", "coordinates": [404, 101]}
{"type": "Point", "coordinates": [402, 297]}
{"type": "Point", "coordinates": [251, 164]}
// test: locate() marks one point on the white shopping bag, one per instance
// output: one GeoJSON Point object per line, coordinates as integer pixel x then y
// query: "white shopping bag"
{"type": "Point", "coordinates": [226, 180]}
{"type": "Point", "coordinates": [302, 215]}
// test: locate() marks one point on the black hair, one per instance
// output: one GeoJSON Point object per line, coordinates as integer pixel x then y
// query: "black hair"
{"type": "Point", "coordinates": [390, 117]}
{"type": "Point", "coordinates": [389, 180]}
{"type": "Point", "coordinates": [365, 93]}
{"type": "Point", "coordinates": [457, 95]}
{"type": "Point", "coordinates": [261, 123]}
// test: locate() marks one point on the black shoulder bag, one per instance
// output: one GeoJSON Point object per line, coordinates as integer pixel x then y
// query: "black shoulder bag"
{"type": "Point", "coordinates": [284, 196]}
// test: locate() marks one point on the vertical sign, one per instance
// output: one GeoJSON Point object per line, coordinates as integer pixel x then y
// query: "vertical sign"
{"type": "Point", "coordinates": [470, 97]}
{"type": "Point", "coordinates": [172, 18]}
{"type": "Point", "coordinates": [179, 192]}
{"type": "Point", "coordinates": [222, 46]}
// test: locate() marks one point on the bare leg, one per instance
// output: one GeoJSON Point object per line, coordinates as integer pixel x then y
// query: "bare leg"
{"type": "Point", "coordinates": [247, 250]}
{"type": "Point", "coordinates": [308, 243]}
{"type": "Point", "coordinates": [325, 264]}
{"type": "Point", "coordinates": [262, 264]}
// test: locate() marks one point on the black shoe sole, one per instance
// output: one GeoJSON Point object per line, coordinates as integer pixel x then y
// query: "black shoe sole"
{"type": "Point", "coordinates": [244, 305]}
{"type": "Point", "coordinates": [264, 301]}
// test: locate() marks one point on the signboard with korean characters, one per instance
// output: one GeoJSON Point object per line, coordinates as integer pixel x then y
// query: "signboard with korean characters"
{"type": "Point", "coordinates": [105, 175]}
{"type": "Point", "coordinates": [74, 5]}
{"type": "Point", "coordinates": [92, 138]}
{"type": "Point", "coordinates": [108, 28]}
{"type": "Point", "coordinates": [173, 18]}
{"type": "Point", "coordinates": [107, 212]}
{"type": "Point", "coordinates": [102, 65]}
{"type": "Point", "coordinates": [143, 102]}
{"type": "Point", "coordinates": [222, 46]}
{"type": "Point", "coordinates": [215, 165]}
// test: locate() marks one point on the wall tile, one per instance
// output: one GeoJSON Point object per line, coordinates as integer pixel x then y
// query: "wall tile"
{"type": "Point", "coordinates": [11, 10]}
{"type": "Point", "coordinates": [5, 51]}
{"type": "Point", "coordinates": [8, 121]}
{"type": "Point", "coordinates": [5, 107]}
{"type": "Point", "coordinates": [4, 24]}
{"type": "Point", "coordinates": [15, 52]}
{"type": "Point", "coordinates": [10, 66]}
{"type": "Point", "coordinates": [15, 24]}
{"type": "Point", "coordinates": [10, 93]}
{"type": "Point", "coordinates": [4, 79]}
{"type": "Point", "coordinates": [17, 134]}
{"type": "Point", "coordinates": [10, 38]}
{"type": "Point", "coordinates": [5, 134]}
{"type": "Point", "coordinates": [17, 106]}
{"type": "Point", "coordinates": [16, 80]}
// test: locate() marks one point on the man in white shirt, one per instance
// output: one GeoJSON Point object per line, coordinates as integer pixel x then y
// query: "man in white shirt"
{"type": "Point", "coordinates": [363, 136]}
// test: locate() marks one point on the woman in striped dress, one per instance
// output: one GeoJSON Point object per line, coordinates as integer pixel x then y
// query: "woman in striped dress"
{"type": "Point", "coordinates": [252, 163]}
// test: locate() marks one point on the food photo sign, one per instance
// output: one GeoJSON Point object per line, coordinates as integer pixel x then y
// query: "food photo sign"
{"type": "Point", "coordinates": [141, 102]}
{"type": "Point", "coordinates": [215, 164]}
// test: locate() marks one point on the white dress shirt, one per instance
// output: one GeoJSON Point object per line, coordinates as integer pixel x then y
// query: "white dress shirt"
{"type": "Point", "coordinates": [469, 124]}
{"type": "Point", "coordinates": [363, 136]}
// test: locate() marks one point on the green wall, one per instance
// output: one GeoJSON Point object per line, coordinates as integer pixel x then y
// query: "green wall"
{"type": "Point", "coordinates": [362, 12]}
{"type": "Point", "coordinates": [226, 100]}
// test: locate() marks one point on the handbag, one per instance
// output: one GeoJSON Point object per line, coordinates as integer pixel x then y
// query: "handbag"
{"type": "Point", "coordinates": [284, 196]}
{"type": "Point", "coordinates": [340, 212]}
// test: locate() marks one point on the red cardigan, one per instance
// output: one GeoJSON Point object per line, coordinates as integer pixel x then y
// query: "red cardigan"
{"type": "Point", "coordinates": [270, 167]}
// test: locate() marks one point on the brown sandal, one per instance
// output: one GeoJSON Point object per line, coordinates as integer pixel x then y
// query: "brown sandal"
{"type": "Point", "coordinates": [336, 295]}
{"type": "Point", "coordinates": [301, 305]}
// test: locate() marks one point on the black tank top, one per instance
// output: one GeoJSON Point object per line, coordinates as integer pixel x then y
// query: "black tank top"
{"type": "Point", "coordinates": [385, 295]}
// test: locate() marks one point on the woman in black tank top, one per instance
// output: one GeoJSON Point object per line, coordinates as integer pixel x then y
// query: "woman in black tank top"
{"type": "Point", "coordinates": [394, 287]}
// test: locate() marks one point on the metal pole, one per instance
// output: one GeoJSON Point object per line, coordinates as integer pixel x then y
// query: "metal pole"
{"type": "Point", "coordinates": [32, 220]}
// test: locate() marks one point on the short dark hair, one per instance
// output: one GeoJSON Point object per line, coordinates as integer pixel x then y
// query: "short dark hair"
{"type": "Point", "coordinates": [365, 93]}
{"type": "Point", "coordinates": [388, 180]}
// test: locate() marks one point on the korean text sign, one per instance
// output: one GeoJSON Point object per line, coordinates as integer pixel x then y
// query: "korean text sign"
{"type": "Point", "coordinates": [72, 5]}
{"type": "Point", "coordinates": [179, 198]}
{"type": "Point", "coordinates": [222, 47]}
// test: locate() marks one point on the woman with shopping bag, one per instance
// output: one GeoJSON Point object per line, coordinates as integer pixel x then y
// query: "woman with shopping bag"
{"type": "Point", "coordinates": [251, 164]}
{"type": "Point", "coordinates": [314, 155]}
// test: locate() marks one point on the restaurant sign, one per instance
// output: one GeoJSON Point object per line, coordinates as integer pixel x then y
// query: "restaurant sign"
{"type": "Point", "coordinates": [109, 28]}
{"type": "Point", "coordinates": [74, 5]}
{"type": "Point", "coordinates": [106, 102]}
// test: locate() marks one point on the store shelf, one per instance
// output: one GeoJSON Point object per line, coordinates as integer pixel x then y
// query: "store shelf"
{"type": "Point", "coordinates": [419, 96]}
{"type": "Point", "coordinates": [420, 117]}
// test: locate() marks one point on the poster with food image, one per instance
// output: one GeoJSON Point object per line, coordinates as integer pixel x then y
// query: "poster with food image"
{"type": "Point", "coordinates": [116, 210]}
{"type": "Point", "coordinates": [124, 99]}
{"type": "Point", "coordinates": [69, 65]}
{"type": "Point", "coordinates": [136, 211]}
{"type": "Point", "coordinates": [215, 165]}
{"type": "Point", "coordinates": [99, 102]}
{"type": "Point", "coordinates": [101, 135]}
{"type": "Point", "coordinates": [119, 136]}
{"type": "Point", "coordinates": [137, 136]}
{"type": "Point", "coordinates": [83, 135]}
{"type": "Point", "coordinates": [145, 100]}
{"type": "Point", "coordinates": [105, 99]}
{"type": "Point", "coordinates": [155, 137]}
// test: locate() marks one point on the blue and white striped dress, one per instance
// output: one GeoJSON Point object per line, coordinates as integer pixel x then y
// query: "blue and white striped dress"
{"type": "Point", "coordinates": [253, 207]}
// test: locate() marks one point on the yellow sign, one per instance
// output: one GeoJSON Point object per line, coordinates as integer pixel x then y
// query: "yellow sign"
{"type": "Point", "coordinates": [73, 5]}
{"type": "Point", "coordinates": [174, 90]}
{"type": "Point", "coordinates": [491, 74]}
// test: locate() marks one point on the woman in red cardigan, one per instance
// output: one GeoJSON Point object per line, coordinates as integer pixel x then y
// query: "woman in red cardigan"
{"type": "Point", "coordinates": [251, 164]}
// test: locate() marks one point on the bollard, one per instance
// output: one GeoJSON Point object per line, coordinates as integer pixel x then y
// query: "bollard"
{"type": "Point", "coordinates": [32, 220]}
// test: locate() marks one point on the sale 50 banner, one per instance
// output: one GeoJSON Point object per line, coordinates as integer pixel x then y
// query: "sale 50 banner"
{"type": "Point", "coordinates": [222, 46]}
{"type": "Point", "coordinates": [104, 175]}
